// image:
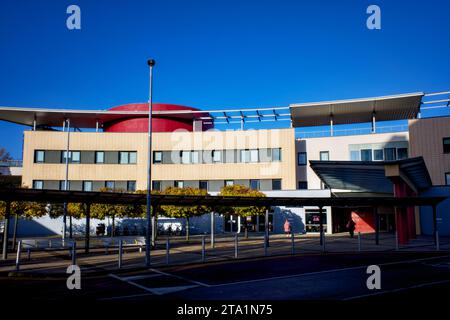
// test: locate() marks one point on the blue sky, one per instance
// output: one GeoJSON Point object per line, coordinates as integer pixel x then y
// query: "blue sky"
{"type": "Point", "coordinates": [216, 53]}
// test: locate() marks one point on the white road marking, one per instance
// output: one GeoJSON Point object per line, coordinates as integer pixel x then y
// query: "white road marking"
{"type": "Point", "coordinates": [181, 278]}
{"type": "Point", "coordinates": [127, 297]}
{"type": "Point", "coordinates": [325, 271]}
{"type": "Point", "coordinates": [422, 285]}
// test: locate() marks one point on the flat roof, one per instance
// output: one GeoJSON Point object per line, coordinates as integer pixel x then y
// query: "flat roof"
{"type": "Point", "coordinates": [385, 108]}
{"type": "Point", "coordinates": [57, 196]}
{"type": "Point", "coordinates": [370, 176]}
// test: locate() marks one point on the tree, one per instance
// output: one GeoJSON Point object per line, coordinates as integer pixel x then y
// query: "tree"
{"type": "Point", "coordinates": [185, 211]}
{"type": "Point", "coordinates": [242, 191]}
{"type": "Point", "coordinates": [4, 155]}
{"type": "Point", "coordinates": [25, 209]}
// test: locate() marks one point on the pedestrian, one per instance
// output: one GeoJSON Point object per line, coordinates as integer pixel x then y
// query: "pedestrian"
{"type": "Point", "coordinates": [287, 228]}
{"type": "Point", "coordinates": [351, 226]}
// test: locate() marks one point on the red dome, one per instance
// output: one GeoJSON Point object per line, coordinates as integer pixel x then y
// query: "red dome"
{"type": "Point", "coordinates": [160, 123]}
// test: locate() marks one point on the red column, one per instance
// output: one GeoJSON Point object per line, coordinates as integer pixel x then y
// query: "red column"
{"type": "Point", "coordinates": [401, 213]}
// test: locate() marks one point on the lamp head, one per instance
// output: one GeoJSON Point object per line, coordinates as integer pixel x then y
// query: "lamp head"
{"type": "Point", "coordinates": [151, 62]}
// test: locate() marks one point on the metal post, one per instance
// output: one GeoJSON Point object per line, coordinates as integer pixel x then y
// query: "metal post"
{"type": "Point", "coordinates": [377, 226]}
{"type": "Point", "coordinates": [88, 228]}
{"type": "Point", "coordinates": [74, 253]}
{"type": "Point", "coordinates": [150, 63]}
{"type": "Point", "coordinates": [203, 249]}
{"type": "Point", "coordinates": [374, 129]}
{"type": "Point", "coordinates": [236, 246]}
{"type": "Point", "coordinates": [167, 250]}
{"type": "Point", "coordinates": [359, 241]}
{"type": "Point", "coordinates": [212, 229]}
{"type": "Point", "coordinates": [323, 242]}
{"type": "Point", "coordinates": [265, 243]}
{"type": "Point", "coordinates": [396, 240]}
{"type": "Point", "coordinates": [331, 125]}
{"type": "Point", "coordinates": [266, 228]}
{"type": "Point", "coordinates": [66, 181]}
{"type": "Point", "coordinates": [435, 228]}
{"type": "Point", "coordinates": [321, 224]}
{"type": "Point", "coordinates": [120, 253]}
{"type": "Point", "coordinates": [292, 243]}
{"type": "Point", "coordinates": [19, 251]}
{"type": "Point", "coordinates": [6, 230]}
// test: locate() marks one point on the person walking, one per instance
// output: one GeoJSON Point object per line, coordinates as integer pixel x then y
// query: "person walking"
{"type": "Point", "coordinates": [287, 228]}
{"type": "Point", "coordinates": [351, 226]}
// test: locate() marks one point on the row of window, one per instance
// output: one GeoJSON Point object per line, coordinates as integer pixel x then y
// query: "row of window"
{"type": "Point", "coordinates": [217, 156]}
{"type": "Point", "coordinates": [386, 154]}
{"type": "Point", "coordinates": [86, 185]}
{"type": "Point", "coordinates": [204, 184]}
{"type": "Point", "coordinates": [50, 156]}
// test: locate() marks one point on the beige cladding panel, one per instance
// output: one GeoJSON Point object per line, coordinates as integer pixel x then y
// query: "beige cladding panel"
{"type": "Point", "coordinates": [427, 141]}
{"type": "Point", "coordinates": [211, 140]}
{"type": "Point", "coordinates": [338, 148]}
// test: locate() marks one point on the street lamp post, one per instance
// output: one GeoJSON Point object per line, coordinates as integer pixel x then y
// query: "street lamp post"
{"type": "Point", "coordinates": [151, 64]}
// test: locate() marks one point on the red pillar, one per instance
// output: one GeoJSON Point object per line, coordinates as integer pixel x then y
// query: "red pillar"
{"type": "Point", "coordinates": [401, 213]}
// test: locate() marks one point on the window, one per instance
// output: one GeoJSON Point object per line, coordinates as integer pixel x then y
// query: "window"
{"type": "Point", "coordinates": [446, 142]}
{"type": "Point", "coordinates": [366, 155]}
{"type": "Point", "coordinates": [131, 186]}
{"type": "Point", "coordinates": [157, 157]}
{"type": "Point", "coordinates": [38, 184]}
{"type": "Point", "coordinates": [302, 185]}
{"type": "Point", "coordinates": [203, 185]}
{"type": "Point", "coordinates": [378, 155]}
{"type": "Point", "coordinates": [185, 157]}
{"type": "Point", "coordinates": [301, 158]}
{"type": "Point", "coordinates": [324, 155]}
{"type": "Point", "coordinates": [110, 185]}
{"type": "Point", "coordinates": [195, 157]}
{"type": "Point", "coordinates": [156, 185]}
{"type": "Point", "coordinates": [39, 157]}
{"type": "Point", "coordinates": [133, 157]}
{"type": "Point", "coordinates": [276, 184]}
{"type": "Point", "coordinates": [229, 183]}
{"type": "Point", "coordinates": [217, 156]}
{"type": "Point", "coordinates": [402, 153]}
{"type": "Point", "coordinates": [127, 157]}
{"type": "Point", "coordinates": [389, 154]}
{"type": "Point", "coordinates": [276, 154]}
{"type": "Point", "coordinates": [254, 184]}
{"type": "Point", "coordinates": [354, 155]}
{"type": "Point", "coordinates": [74, 156]}
{"type": "Point", "coordinates": [87, 185]}
{"type": "Point", "coordinates": [99, 157]}
{"type": "Point", "coordinates": [447, 179]}
{"type": "Point", "coordinates": [178, 184]}
{"type": "Point", "coordinates": [62, 185]}
{"type": "Point", "coordinates": [245, 156]}
{"type": "Point", "coordinates": [254, 155]}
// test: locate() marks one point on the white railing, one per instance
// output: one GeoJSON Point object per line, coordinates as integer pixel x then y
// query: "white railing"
{"type": "Point", "coordinates": [351, 132]}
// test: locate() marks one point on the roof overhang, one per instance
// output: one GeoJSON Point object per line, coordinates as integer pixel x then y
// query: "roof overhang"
{"type": "Point", "coordinates": [79, 118]}
{"type": "Point", "coordinates": [57, 196]}
{"type": "Point", "coordinates": [385, 108]}
{"type": "Point", "coordinates": [372, 176]}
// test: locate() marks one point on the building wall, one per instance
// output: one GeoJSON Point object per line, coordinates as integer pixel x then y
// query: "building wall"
{"type": "Point", "coordinates": [339, 149]}
{"type": "Point", "coordinates": [427, 141]}
{"type": "Point", "coordinates": [180, 140]}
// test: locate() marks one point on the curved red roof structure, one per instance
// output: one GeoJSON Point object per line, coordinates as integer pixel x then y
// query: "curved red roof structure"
{"type": "Point", "coordinates": [160, 123]}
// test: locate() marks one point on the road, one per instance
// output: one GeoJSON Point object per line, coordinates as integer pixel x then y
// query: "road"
{"type": "Point", "coordinates": [339, 276]}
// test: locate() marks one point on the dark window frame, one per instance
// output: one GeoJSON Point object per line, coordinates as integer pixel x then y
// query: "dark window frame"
{"type": "Point", "coordinates": [447, 180]}
{"type": "Point", "coordinates": [324, 152]}
{"type": "Point", "coordinates": [276, 181]}
{"type": "Point", "coordinates": [445, 149]}
{"type": "Point", "coordinates": [298, 158]}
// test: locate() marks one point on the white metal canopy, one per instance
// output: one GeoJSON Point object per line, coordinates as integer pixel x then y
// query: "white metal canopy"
{"type": "Point", "coordinates": [395, 107]}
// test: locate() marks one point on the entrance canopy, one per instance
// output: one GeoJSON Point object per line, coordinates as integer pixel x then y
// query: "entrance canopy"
{"type": "Point", "coordinates": [395, 107]}
{"type": "Point", "coordinates": [57, 196]}
{"type": "Point", "coordinates": [372, 176]}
